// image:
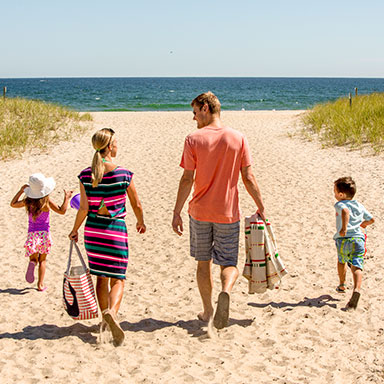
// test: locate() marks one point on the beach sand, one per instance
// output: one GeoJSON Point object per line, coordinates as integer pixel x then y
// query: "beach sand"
{"type": "Point", "coordinates": [297, 334]}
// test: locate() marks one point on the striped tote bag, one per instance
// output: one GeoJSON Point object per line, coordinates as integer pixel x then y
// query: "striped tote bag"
{"type": "Point", "coordinates": [79, 299]}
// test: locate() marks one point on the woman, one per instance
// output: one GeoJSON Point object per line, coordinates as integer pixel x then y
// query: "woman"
{"type": "Point", "coordinates": [103, 190]}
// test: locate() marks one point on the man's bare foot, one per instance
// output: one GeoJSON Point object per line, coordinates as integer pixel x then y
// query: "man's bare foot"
{"type": "Point", "coordinates": [204, 317]}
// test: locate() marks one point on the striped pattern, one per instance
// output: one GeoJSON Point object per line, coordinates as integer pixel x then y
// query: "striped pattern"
{"type": "Point", "coordinates": [106, 238]}
{"type": "Point", "coordinates": [85, 295]}
{"type": "Point", "coordinates": [263, 267]}
{"type": "Point", "coordinates": [217, 241]}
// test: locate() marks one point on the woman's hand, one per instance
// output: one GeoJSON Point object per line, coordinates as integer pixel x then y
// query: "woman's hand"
{"type": "Point", "coordinates": [74, 235]}
{"type": "Point", "coordinates": [141, 228]}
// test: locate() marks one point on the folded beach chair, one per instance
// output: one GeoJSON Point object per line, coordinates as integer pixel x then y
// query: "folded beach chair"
{"type": "Point", "coordinates": [263, 267]}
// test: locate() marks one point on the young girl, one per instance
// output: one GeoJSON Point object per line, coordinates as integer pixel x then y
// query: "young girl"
{"type": "Point", "coordinates": [38, 204]}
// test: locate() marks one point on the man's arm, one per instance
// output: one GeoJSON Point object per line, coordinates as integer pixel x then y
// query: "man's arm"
{"type": "Point", "coordinates": [185, 187]}
{"type": "Point", "coordinates": [252, 188]}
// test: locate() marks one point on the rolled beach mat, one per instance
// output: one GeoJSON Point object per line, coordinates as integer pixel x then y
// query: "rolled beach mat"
{"type": "Point", "coordinates": [75, 201]}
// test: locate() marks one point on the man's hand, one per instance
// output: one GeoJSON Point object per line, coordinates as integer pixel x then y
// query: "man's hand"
{"type": "Point", "coordinates": [177, 223]}
{"type": "Point", "coordinates": [261, 214]}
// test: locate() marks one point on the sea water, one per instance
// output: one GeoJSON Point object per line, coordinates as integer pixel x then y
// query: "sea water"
{"type": "Point", "coordinates": [176, 93]}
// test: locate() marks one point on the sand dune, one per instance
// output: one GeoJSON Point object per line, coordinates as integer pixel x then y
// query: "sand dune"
{"type": "Point", "coordinates": [298, 334]}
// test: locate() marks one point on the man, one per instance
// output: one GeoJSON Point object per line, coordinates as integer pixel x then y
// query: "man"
{"type": "Point", "coordinates": [213, 157]}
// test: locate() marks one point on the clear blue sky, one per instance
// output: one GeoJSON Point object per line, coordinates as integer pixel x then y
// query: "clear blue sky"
{"type": "Point", "coordinates": [292, 38]}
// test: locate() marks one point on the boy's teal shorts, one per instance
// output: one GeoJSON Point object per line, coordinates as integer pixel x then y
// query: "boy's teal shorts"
{"type": "Point", "coordinates": [351, 250]}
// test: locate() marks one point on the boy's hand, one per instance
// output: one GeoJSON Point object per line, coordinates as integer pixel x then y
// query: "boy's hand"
{"type": "Point", "coordinates": [365, 223]}
{"type": "Point", "coordinates": [342, 233]}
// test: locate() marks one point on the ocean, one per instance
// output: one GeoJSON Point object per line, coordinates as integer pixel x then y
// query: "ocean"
{"type": "Point", "coordinates": [176, 93]}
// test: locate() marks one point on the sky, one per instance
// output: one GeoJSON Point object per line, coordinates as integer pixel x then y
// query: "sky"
{"type": "Point", "coordinates": [172, 38]}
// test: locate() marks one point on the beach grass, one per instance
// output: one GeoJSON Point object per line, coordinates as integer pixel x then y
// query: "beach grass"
{"type": "Point", "coordinates": [338, 123]}
{"type": "Point", "coordinates": [26, 124]}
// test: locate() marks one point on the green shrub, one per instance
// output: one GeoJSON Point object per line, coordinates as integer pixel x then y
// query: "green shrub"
{"type": "Point", "coordinates": [338, 123]}
{"type": "Point", "coordinates": [28, 123]}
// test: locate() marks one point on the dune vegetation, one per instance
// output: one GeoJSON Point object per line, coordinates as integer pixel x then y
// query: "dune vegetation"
{"type": "Point", "coordinates": [356, 123]}
{"type": "Point", "coordinates": [29, 123]}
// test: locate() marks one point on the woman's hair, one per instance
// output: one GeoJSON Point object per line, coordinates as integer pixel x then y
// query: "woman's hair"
{"type": "Point", "coordinates": [35, 206]}
{"type": "Point", "coordinates": [100, 141]}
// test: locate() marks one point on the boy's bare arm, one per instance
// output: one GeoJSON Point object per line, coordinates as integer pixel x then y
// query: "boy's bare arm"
{"type": "Point", "coordinates": [344, 222]}
{"type": "Point", "coordinates": [365, 223]}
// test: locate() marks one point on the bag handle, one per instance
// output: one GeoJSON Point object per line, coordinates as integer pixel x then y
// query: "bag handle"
{"type": "Point", "coordinates": [269, 238]}
{"type": "Point", "coordinates": [73, 243]}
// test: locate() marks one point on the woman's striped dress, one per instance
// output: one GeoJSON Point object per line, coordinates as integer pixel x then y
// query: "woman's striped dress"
{"type": "Point", "coordinates": [106, 237]}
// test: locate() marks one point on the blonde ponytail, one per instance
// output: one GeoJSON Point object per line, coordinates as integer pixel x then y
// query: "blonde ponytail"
{"type": "Point", "coordinates": [100, 141]}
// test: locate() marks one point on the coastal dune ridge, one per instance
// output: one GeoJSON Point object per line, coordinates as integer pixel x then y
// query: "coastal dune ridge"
{"type": "Point", "coordinates": [296, 334]}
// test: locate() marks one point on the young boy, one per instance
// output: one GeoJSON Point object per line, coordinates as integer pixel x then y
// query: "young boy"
{"type": "Point", "coordinates": [351, 216]}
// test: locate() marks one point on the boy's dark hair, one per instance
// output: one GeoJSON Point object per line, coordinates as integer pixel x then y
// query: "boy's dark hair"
{"type": "Point", "coordinates": [346, 185]}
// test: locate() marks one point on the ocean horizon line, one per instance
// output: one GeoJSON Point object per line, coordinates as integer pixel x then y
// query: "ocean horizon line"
{"type": "Point", "coordinates": [193, 77]}
{"type": "Point", "coordinates": [176, 93]}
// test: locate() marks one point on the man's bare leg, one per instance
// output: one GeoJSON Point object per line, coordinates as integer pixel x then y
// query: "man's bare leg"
{"type": "Point", "coordinates": [205, 283]}
{"type": "Point", "coordinates": [228, 277]}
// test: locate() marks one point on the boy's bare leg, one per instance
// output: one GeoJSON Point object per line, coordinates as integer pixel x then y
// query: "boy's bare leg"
{"type": "Point", "coordinates": [357, 278]}
{"type": "Point", "coordinates": [42, 266]}
{"type": "Point", "coordinates": [205, 283]}
{"type": "Point", "coordinates": [357, 274]}
{"type": "Point", "coordinates": [342, 272]}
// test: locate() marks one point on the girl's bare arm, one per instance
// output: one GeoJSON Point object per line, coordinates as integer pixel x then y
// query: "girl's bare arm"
{"type": "Point", "coordinates": [63, 207]}
{"type": "Point", "coordinates": [15, 202]}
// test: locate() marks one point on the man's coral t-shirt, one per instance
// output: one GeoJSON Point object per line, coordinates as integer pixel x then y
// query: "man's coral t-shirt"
{"type": "Point", "coordinates": [217, 156]}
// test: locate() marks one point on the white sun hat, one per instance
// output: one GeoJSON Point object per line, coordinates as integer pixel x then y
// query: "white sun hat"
{"type": "Point", "coordinates": [39, 186]}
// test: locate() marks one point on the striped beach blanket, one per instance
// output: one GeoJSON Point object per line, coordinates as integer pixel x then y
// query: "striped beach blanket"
{"type": "Point", "coordinates": [263, 267]}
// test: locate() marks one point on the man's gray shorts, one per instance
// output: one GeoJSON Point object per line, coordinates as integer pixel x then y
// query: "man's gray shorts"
{"type": "Point", "coordinates": [216, 241]}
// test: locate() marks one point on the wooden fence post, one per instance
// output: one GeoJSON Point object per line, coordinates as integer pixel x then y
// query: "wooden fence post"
{"type": "Point", "coordinates": [350, 100]}
{"type": "Point", "coordinates": [4, 92]}
{"type": "Point", "coordinates": [355, 91]}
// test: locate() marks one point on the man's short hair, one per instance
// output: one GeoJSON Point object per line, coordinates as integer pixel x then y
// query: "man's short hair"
{"type": "Point", "coordinates": [210, 99]}
{"type": "Point", "coordinates": [346, 185]}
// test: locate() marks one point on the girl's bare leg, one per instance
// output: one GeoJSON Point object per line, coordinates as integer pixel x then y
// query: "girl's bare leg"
{"type": "Point", "coordinates": [42, 264]}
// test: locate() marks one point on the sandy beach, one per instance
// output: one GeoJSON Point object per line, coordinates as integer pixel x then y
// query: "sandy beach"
{"type": "Point", "coordinates": [297, 334]}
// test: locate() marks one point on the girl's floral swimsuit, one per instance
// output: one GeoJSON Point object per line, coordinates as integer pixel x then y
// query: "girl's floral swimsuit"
{"type": "Point", "coordinates": [39, 238]}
